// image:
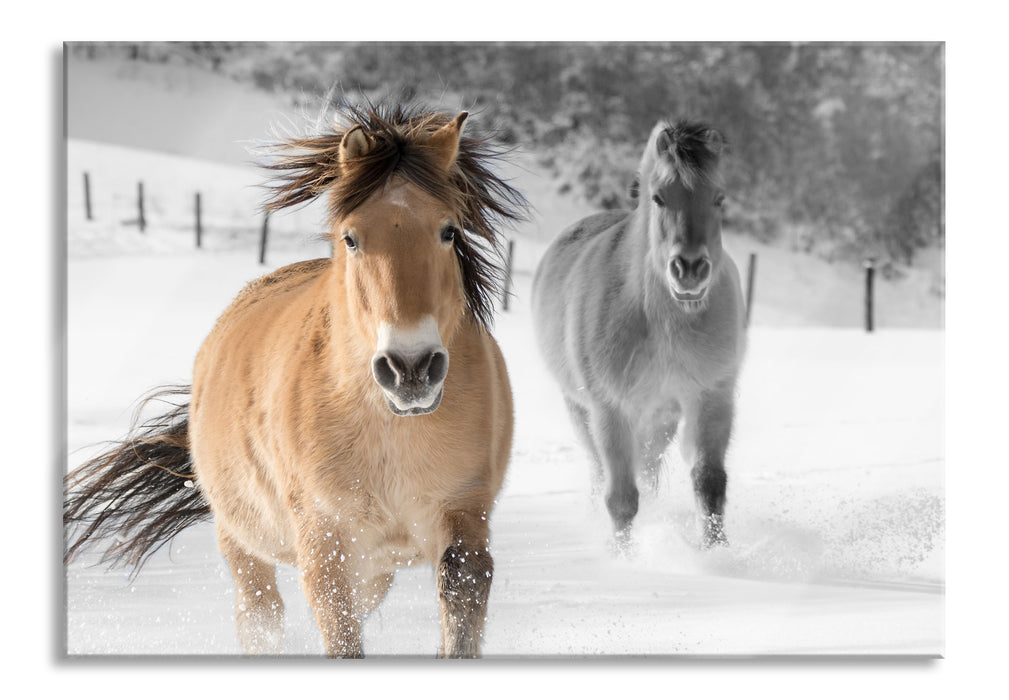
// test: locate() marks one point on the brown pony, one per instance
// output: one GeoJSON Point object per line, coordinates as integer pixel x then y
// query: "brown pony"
{"type": "Point", "coordinates": [350, 415]}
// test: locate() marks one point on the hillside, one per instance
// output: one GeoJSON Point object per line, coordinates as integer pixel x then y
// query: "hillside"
{"type": "Point", "coordinates": [182, 129]}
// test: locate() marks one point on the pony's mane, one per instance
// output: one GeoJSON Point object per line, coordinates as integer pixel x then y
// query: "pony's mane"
{"type": "Point", "coordinates": [693, 155]}
{"type": "Point", "coordinates": [310, 166]}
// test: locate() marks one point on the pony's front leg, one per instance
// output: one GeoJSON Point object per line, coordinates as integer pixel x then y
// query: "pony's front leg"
{"type": "Point", "coordinates": [464, 572]}
{"type": "Point", "coordinates": [708, 431]}
{"type": "Point", "coordinates": [654, 439]}
{"type": "Point", "coordinates": [580, 421]}
{"type": "Point", "coordinates": [617, 446]}
{"type": "Point", "coordinates": [326, 580]}
{"type": "Point", "coordinates": [259, 610]}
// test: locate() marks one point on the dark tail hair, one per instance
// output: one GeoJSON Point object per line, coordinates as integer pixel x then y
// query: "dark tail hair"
{"type": "Point", "coordinates": [140, 493]}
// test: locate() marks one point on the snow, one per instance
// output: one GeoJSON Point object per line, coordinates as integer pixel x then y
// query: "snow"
{"type": "Point", "coordinates": [837, 469]}
{"type": "Point", "coordinates": [835, 506]}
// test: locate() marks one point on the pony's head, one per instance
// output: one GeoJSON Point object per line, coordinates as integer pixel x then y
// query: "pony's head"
{"type": "Point", "coordinates": [680, 200]}
{"type": "Point", "coordinates": [409, 196]}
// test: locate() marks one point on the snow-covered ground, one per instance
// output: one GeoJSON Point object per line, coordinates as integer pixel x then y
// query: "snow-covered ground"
{"type": "Point", "coordinates": [836, 504]}
{"type": "Point", "coordinates": [836, 510]}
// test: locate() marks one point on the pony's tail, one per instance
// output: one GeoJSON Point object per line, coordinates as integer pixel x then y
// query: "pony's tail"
{"type": "Point", "coordinates": [140, 493]}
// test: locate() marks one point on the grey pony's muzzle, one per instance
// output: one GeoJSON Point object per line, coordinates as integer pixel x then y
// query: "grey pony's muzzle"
{"type": "Point", "coordinates": [689, 278]}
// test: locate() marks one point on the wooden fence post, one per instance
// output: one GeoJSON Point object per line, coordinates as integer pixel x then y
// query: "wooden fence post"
{"type": "Point", "coordinates": [508, 274]}
{"type": "Point", "coordinates": [141, 221]}
{"type": "Point", "coordinates": [199, 223]}
{"type": "Point", "coordinates": [262, 238]}
{"type": "Point", "coordinates": [870, 271]}
{"type": "Point", "coordinates": [87, 196]}
{"type": "Point", "coordinates": [751, 276]}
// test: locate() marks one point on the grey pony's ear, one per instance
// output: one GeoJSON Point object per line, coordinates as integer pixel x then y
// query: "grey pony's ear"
{"type": "Point", "coordinates": [355, 143]}
{"type": "Point", "coordinates": [715, 140]}
{"type": "Point", "coordinates": [445, 141]}
{"type": "Point", "coordinates": [662, 142]}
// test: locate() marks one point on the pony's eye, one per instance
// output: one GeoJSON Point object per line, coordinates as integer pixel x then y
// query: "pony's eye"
{"type": "Point", "coordinates": [719, 199]}
{"type": "Point", "coordinates": [349, 242]}
{"type": "Point", "coordinates": [658, 200]}
{"type": "Point", "coordinates": [449, 233]}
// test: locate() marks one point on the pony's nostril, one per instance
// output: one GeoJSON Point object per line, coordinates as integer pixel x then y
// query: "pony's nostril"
{"type": "Point", "coordinates": [383, 370]}
{"type": "Point", "coordinates": [430, 368]}
{"type": "Point", "coordinates": [679, 267]}
{"type": "Point", "coordinates": [437, 367]}
{"type": "Point", "coordinates": [702, 268]}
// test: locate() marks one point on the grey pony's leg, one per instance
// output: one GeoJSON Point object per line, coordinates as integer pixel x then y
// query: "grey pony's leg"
{"type": "Point", "coordinates": [616, 445]}
{"type": "Point", "coordinates": [654, 443]}
{"type": "Point", "coordinates": [710, 428]}
{"type": "Point", "coordinates": [580, 419]}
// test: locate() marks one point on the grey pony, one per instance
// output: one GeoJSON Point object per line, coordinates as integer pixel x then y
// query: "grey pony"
{"type": "Point", "coordinates": [639, 317]}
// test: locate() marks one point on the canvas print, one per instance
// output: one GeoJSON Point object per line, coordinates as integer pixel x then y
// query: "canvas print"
{"type": "Point", "coordinates": [504, 350]}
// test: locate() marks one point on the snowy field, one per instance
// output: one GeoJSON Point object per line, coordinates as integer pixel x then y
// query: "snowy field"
{"type": "Point", "coordinates": [836, 501]}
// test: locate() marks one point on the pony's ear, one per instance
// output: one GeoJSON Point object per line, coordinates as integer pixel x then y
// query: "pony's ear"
{"type": "Point", "coordinates": [714, 141]}
{"type": "Point", "coordinates": [662, 142]}
{"type": "Point", "coordinates": [445, 141]}
{"type": "Point", "coordinates": [355, 143]}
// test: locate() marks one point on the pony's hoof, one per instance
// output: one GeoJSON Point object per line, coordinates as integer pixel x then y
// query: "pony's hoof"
{"type": "Point", "coordinates": [265, 644]}
{"type": "Point", "coordinates": [622, 545]}
{"type": "Point", "coordinates": [714, 533]}
{"type": "Point", "coordinates": [710, 541]}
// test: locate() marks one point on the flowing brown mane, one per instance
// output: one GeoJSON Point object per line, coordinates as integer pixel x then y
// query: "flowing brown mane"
{"type": "Point", "coordinates": [310, 167]}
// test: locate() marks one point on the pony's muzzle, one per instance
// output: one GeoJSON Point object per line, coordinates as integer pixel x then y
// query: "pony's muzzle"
{"type": "Point", "coordinates": [689, 277]}
{"type": "Point", "coordinates": [690, 273]}
{"type": "Point", "coordinates": [412, 384]}
{"type": "Point", "coordinates": [410, 365]}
